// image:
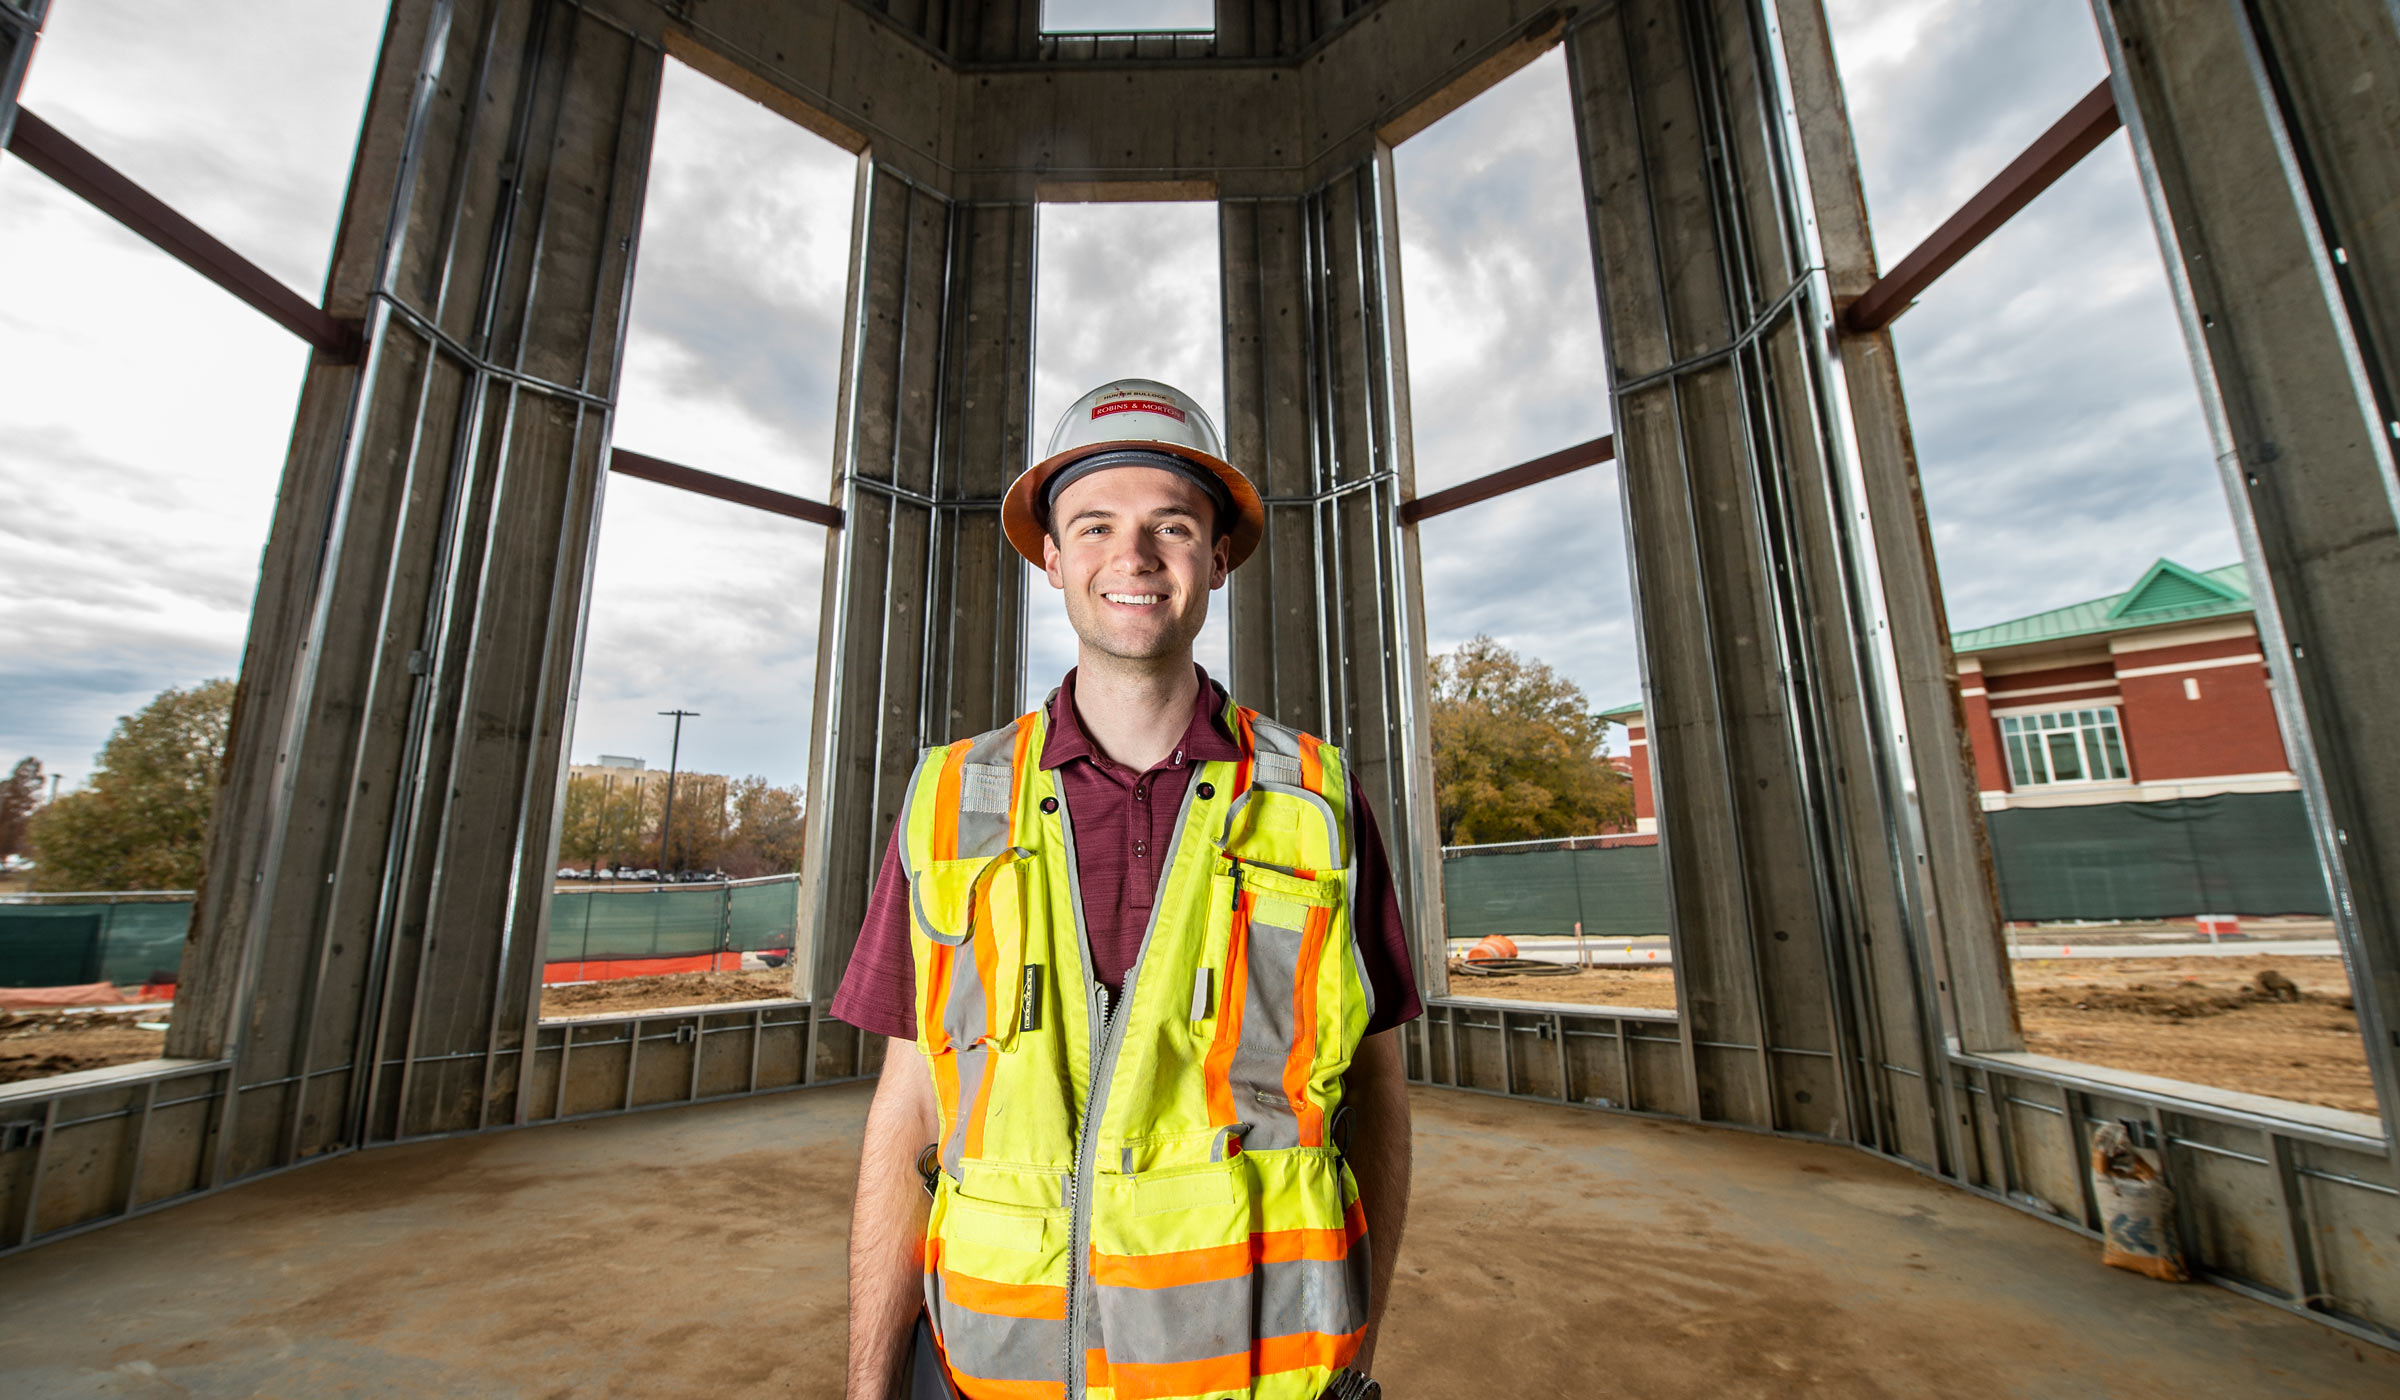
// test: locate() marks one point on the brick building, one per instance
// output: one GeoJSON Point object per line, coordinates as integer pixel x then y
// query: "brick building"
{"type": "Point", "coordinates": [2127, 756]}
{"type": "Point", "coordinates": [2153, 694]}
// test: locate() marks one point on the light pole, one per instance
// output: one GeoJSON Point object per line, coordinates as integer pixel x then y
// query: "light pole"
{"type": "Point", "coordinates": [666, 822]}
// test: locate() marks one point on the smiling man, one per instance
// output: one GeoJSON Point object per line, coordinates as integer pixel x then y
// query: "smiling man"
{"type": "Point", "coordinates": [1142, 1126]}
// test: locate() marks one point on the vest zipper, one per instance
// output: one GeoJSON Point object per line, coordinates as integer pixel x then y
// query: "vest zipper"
{"type": "Point", "coordinates": [1105, 1043]}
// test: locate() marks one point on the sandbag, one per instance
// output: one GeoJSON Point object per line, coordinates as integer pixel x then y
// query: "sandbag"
{"type": "Point", "coordinates": [2137, 1210]}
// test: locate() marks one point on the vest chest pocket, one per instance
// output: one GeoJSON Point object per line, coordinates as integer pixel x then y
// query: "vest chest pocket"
{"type": "Point", "coordinates": [1262, 998]}
{"type": "Point", "coordinates": [974, 915]}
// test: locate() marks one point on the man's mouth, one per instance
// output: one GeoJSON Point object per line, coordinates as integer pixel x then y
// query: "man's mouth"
{"type": "Point", "coordinates": [1136, 600]}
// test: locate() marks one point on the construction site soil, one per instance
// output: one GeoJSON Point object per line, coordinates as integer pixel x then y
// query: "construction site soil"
{"type": "Point", "coordinates": [2205, 1020]}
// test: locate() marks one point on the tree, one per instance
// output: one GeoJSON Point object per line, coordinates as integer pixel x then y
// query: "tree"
{"type": "Point", "coordinates": [768, 830]}
{"type": "Point", "coordinates": [141, 820]}
{"type": "Point", "coordinates": [19, 798]}
{"type": "Point", "coordinates": [602, 823]}
{"type": "Point", "coordinates": [1517, 754]}
{"type": "Point", "coordinates": [701, 823]}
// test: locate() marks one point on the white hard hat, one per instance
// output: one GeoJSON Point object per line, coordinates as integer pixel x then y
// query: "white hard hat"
{"type": "Point", "coordinates": [1134, 423]}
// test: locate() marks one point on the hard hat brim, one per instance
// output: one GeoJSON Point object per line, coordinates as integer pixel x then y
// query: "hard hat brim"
{"type": "Point", "coordinates": [1021, 522]}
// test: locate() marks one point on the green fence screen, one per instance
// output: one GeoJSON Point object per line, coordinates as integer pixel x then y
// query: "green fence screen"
{"type": "Point", "coordinates": [130, 943]}
{"type": "Point", "coordinates": [68, 945]}
{"type": "Point", "coordinates": [1617, 891]}
{"type": "Point", "coordinates": [2235, 853]}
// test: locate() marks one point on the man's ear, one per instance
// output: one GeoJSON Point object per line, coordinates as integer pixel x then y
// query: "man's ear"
{"type": "Point", "coordinates": [1220, 562]}
{"type": "Point", "coordinates": [1051, 564]}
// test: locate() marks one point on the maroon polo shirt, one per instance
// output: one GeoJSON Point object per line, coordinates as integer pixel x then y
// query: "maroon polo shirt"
{"type": "Point", "coordinates": [1124, 824]}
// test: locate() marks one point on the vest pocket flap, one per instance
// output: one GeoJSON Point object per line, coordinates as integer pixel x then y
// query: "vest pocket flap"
{"type": "Point", "coordinates": [943, 892]}
{"type": "Point", "coordinates": [1156, 1193]}
{"type": "Point", "coordinates": [1310, 889]}
{"type": "Point", "coordinates": [997, 1226]}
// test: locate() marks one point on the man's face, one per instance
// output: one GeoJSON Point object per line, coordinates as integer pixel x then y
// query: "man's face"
{"type": "Point", "coordinates": [1132, 549]}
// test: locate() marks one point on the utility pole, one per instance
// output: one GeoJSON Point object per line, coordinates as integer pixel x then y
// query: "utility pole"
{"type": "Point", "coordinates": [666, 822]}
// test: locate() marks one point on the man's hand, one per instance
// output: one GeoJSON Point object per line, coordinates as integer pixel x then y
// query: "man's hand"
{"type": "Point", "coordinates": [1376, 1089]}
{"type": "Point", "coordinates": [887, 1222]}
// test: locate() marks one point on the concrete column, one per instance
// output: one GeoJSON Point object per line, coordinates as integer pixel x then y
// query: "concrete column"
{"type": "Point", "coordinates": [368, 936]}
{"type": "Point", "coordinates": [1805, 961]}
{"type": "Point", "coordinates": [20, 28]}
{"type": "Point", "coordinates": [2268, 137]}
{"type": "Point", "coordinates": [922, 639]}
{"type": "Point", "coordinates": [1328, 630]}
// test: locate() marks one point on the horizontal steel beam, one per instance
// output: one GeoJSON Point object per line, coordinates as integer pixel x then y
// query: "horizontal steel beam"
{"type": "Point", "coordinates": [2066, 143]}
{"type": "Point", "coordinates": [1507, 479]}
{"type": "Point", "coordinates": [723, 488]}
{"type": "Point", "coordinates": [46, 149]}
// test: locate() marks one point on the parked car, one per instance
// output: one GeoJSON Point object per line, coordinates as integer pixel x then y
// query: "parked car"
{"type": "Point", "coordinates": [643, 874]}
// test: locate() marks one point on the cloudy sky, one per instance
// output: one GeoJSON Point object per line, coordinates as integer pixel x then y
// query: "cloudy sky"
{"type": "Point", "coordinates": [2054, 410]}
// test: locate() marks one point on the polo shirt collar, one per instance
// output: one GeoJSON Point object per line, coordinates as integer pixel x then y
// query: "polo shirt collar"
{"type": "Point", "coordinates": [1206, 738]}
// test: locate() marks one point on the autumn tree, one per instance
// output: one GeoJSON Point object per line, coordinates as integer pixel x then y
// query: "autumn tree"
{"type": "Point", "coordinates": [140, 822]}
{"type": "Point", "coordinates": [768, 830]}
{"type": "Point", "coordinates": [19, 797]}
{"type": "Point", "coordinates": [1517, 753]}
{"type": "Point", "coordinates": [602, 823]}
{"type": "Point", "coordinates": [702, 821]}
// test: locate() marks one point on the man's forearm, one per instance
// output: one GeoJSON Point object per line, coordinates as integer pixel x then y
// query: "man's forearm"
{"type": "Point", "coordinates": [887, 1224]}
{"type": "Point", "coordinates": [1377, 1090]}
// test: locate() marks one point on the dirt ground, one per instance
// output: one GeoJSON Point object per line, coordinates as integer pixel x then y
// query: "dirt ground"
{"type": "Point", "coordinates": [2204, 1020]}
{"type": "Point", "coordinates": [36, 1044]}
{"type": "Point", "coordinates": [623, 994]}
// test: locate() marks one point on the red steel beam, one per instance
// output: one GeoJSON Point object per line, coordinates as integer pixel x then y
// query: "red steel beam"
{"type": "Point", "coordinates": [723, 488]}
{"type": "Point", "coordinates": [1507, 479]}
{"type": "Point", "coordinates": [43, 147]}
{"type": "Point", "coordinates": [2074, 136]}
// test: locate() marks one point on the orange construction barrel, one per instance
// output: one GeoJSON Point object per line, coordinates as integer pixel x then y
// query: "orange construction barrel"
{"type": "Point", "coordinates": [1494, 945]}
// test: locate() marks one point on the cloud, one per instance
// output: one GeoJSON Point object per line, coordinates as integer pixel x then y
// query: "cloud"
{"type": "Point", "coordinates": [2058, 428]}
{"type": "Point", "coordinates": [1505, 363]}
{"type": "Point", "coordinates": [144, 427]}
{"type": "Point", "coordinates": [733, 360]}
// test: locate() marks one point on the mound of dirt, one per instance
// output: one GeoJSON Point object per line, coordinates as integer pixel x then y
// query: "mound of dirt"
{"type": "Point", "coordinates": [660, 993]}
{"type": "Point", "coordinates": [2176, 1001]}
{"type": "Point", "coordinates": [36, 1044]}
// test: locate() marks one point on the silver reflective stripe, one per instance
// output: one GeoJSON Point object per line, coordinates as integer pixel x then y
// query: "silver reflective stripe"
{"type": "Point", "coordinates": [986, 782]}
{"type": "Point", "coordinates": [1280, 769]}
{"type": "Point", "coordinates": [995, 1348]}
{"type": "Point", "coordinates": [1189, 1322]}
{"type": "Point", "coordinates": [973, 1064]}
{"type": "Point", "coordinates": [1196, 1321]}
{"type": "Point", "coordinates": [1256, 1074]}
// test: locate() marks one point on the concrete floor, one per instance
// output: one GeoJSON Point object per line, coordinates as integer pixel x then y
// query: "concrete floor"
{"type": "Point", "coordinates": [1553, 1252]}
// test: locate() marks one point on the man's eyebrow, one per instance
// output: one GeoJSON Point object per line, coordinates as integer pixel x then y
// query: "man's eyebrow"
{"type": "Point", "coordinates": [1104, 514]}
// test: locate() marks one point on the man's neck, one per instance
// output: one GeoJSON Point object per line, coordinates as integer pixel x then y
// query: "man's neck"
{"type": "Point", "coordinates": [1135, 713]}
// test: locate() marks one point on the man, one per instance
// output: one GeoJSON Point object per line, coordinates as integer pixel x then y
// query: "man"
{"type": "Point", "coordinates": [1142, 1125]}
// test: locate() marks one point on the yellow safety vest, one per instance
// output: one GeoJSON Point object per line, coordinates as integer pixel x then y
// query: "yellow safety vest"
{"type": "Point", "coordinates": [1143, 1199]}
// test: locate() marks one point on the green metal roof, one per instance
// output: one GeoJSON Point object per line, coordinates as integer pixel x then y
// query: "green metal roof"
{"type": "Point", "coordinates": [2168, 592]}
{"type": "Point", "coordinates": [1622, 711]}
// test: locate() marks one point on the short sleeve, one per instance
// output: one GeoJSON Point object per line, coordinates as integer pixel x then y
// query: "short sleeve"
{"type": "Point", "coordinates": [1376, 928]}
{"type": "Point", "coordinates": [879, 989]}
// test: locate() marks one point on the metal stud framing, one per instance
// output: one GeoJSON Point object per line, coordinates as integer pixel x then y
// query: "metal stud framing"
{"type": "Point", "coordinates": [365, 969]}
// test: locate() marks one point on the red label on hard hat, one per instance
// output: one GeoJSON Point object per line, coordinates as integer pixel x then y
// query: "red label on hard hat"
{"type": "Point", "coordinates": [1102, 410]}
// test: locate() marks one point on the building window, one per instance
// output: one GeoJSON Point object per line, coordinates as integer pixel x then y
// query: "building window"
{"type": "Point", "coordinates": [2065, 746]}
